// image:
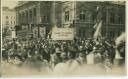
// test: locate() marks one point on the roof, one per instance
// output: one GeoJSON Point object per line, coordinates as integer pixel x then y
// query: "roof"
{"type": "Point", "coordinates": [7, 9]}
{"type": "Point", "coordinates": [118, 2]}
{"type": "Point", "coordinates": [20, 3]}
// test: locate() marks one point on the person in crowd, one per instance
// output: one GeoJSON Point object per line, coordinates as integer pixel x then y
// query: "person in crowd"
{"type": "Point", "coordinates": [72, 53]}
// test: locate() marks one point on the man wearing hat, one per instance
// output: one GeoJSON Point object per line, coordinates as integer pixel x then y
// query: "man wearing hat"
{"type": "Point", "coordinates": [55, 58]}
{"type": "Point", "coordinates": [82, 55]}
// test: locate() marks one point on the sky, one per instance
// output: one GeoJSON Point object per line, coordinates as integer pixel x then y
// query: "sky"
{"type": "Point", "coordinates": [9, 3]}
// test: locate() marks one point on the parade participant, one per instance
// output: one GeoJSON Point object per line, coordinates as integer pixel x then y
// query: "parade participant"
{"type": "Point", "coordinates": [62, 67]}
{"type": "Point", "coordinates": [72, 54]}
{"type": "Point", "coordinates": [97, 57]}
{"type": "Point", "coordinates": [55, 58]}
{"type": "Point", "coordinates": [82, 56]}
{"type": "Point", "coordinates": [90, 56]}
{"type": "Point", "coordinates": [46, 53]}
{"type": "Point", "coordinates": [72, 63]}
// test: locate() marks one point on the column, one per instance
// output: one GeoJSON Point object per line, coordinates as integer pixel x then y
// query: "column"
{"type": "Point", "coordinates": [23, 18]}
{"type": "Point", "coordinates": [53, 14]}
{"type": "Point", "coordinates": [20, 19]}
{"type": "Point", "coordinates": [17, 18]}
{"type": "Point", "coordinates": [28, 16]}
{"type": "Point", "coordinates": [32, 16]}
{"type": "Point", "coordinates": [38, 13]}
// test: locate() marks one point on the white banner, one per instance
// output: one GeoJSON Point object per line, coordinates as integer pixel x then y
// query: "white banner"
{"type": "Point", "coordinates": [63, 33]}
{"type": "Point", "coordinates": [13, 34]}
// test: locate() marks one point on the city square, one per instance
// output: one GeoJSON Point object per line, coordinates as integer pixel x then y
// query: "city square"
{"type": "Point", "coordinates": [64, 38]}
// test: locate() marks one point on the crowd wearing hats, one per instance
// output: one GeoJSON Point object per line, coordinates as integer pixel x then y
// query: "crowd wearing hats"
{"type": "Point", "coordinates": [50, 53]}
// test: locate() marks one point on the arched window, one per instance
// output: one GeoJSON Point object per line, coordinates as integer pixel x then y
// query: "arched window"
{"type": "Point", "coordinates": [7, 23]}
{"type": "Point", "coordinates": [34, 12]}
{"type": "Point", "coordinates": [6, 17]}
{"type": "Point", "coordinates": [66, 16]}
{"type": "Point", "coordinates": [82, 15]}
{"type": "Point", "coordinates": [120, 18]}
{"type": "Point", "coordinates": [112, 17]}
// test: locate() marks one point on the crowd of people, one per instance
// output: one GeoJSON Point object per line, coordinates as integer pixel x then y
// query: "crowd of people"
{"type": "Point", "coordinates": [52, 52]}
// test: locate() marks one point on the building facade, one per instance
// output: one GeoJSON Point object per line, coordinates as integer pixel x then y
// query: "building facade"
{"type": "Point", "coordinates": [32, 15]}
{"type": "Point", "coordinates": [8, 20]}
{"type": "Point", "coordinates": [83, 17]}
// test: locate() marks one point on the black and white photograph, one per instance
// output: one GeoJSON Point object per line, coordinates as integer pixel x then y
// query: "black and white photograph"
{"type": "Point", "coordinates": [63, 38]}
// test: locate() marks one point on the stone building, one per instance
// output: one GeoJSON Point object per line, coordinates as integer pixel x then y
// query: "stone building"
{"type": "Point", "coordinates": [8, 20]}
{"type": "Point", "coordinates": [37, 15]}
{"type": "Point", "coordinates": [82, 16]}
{"type": "Point", "coordinates": [31, 16]}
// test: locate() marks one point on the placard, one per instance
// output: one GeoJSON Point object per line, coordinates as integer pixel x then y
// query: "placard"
{"type": "Point", "coordinates": [62, 33]}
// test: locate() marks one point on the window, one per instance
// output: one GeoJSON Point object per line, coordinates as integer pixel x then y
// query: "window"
{"type": "Point", "coordinates": [120, 18]}
{"type": "Point", "coordinates": [83, 33]}
{"type": "Point", "coordinates": [6, 17]}
{"type": "Point", "coordinates": [119, 32]}
{"type": "Point", "coordinates": [34, 11]}
{"type": "Point", "coordinates": [112, 33]}
{"type": "Point", "coordinates": [80, 32]}
{"type": "Point", "coordinates": [7, 23]}
{"type": "Point", "coordinates": [112, 18]}
{"type": "Point", "coordinates": [82, 16]}
{"type": "Point", "coordinates": [67, 16]}
{"type": "Point", "coordinates": [14, 22]}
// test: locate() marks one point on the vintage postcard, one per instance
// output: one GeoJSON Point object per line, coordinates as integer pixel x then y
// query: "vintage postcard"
{"type": "Point", "coordinates": [63, 38]}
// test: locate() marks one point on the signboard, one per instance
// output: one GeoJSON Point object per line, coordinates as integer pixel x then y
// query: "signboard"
{"type": "Point", "coordinates": [63, 33]}
{"type": "Point", "coordinates": [42, 31]}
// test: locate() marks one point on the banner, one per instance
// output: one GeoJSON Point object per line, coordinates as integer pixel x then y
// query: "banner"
{"type": "Point", "coordinates": [63, 33]}
{"type": "Point", "coordinates": [13, 34]}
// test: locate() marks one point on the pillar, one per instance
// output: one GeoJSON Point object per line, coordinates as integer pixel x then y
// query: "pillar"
{"type": "Point", "coordinates": [38, 13]}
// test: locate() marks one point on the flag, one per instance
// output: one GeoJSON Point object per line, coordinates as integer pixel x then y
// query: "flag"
{"type": "Point", "coordinates": [99, 11]}
{"type": "Point", "coordinates": [120, 46]}
{"type": "Point", "coordinates": [95, 26]}
{"type": "Point", "coordinates": [120, 39]}
{"type": "Point", "coordinates": [97, 33]}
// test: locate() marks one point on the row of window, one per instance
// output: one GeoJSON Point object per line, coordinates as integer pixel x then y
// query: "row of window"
{"type": "Point", "coordinates": [82, 16]}
{"type": "Point", "coordinates": [114, 18]}
{"type": "Point", "coordinates": [7, 17]}
{"type": "Point", "coordinates": [28, 14]}
{"type": "Point", "coordinates": [7, 22]}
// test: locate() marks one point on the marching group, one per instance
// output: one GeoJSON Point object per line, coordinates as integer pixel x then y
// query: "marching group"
{"type": "Point", "coordinates": [49, 53]}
